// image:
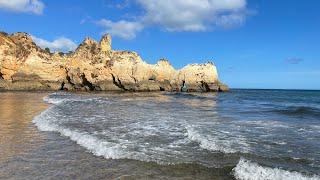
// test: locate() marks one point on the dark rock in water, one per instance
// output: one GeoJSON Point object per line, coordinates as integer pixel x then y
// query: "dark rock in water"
{"type": "Point", "coordinates": [223, 88]}
{"type": "Point", "coordinates": [184, 87]}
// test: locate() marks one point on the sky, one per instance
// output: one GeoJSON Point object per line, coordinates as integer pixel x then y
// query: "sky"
{"type": "Point", "coordinates": [267, 44]}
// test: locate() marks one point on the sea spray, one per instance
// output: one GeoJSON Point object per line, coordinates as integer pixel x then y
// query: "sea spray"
{"type": "Point", "coordinates": [247, 170]}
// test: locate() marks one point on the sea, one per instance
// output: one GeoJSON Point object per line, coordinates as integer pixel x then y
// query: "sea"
{"type": "Point", "coordinates": [244, 134]}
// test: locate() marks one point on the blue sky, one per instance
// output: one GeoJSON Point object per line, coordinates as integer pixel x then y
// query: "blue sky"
{"type": "Point", "coordinates": [254, 43]}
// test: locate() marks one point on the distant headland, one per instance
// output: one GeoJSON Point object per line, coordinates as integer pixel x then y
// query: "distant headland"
{"type": "Point", "coordinates": [94, 66]}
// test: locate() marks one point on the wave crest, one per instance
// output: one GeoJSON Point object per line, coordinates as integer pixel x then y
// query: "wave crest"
{"type": "Point", "coordinates": [93, 144]}
{"type": "Point", "coordinates": [247, 170]}
{"type": "Point", "coordinates": [213, 143]}
{"type": "Point", "coordinates": [61, 97]}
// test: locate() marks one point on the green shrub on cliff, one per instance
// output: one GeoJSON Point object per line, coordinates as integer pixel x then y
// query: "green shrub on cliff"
{"type": "Point", "coordinates": [47, 50]}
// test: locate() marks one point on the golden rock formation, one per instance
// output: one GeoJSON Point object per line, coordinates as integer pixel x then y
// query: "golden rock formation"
{"type": "Point", "coordinates": [95, 66]}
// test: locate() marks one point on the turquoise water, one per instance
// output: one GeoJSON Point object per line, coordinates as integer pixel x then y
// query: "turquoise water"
{"type": "Point", "coordinates": [243, 134]}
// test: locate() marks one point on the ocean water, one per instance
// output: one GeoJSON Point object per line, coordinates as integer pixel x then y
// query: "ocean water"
{"type": "Point", "coordinates": [243, 134]}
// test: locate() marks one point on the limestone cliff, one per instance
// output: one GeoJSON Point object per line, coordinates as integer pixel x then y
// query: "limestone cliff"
{"type": "Point", "coordinates": [95, 66]}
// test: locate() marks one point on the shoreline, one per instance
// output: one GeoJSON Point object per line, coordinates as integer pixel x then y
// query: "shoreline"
{"type": "Point", "coordinates": [70, 153]}
{"type": "Point", "coordinates": [108, 91]}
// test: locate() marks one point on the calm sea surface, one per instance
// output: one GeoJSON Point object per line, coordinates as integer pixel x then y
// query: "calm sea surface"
{"type": "Point", "coordinates": [243, 134]}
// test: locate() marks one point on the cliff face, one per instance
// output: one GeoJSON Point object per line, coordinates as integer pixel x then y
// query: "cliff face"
{"type": "Point", "coordinates": [95, 66]}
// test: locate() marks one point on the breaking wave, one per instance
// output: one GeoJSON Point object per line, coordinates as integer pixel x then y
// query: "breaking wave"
{"type": "Point", "coordinates": [50, 100]}
{"type": "Point", "coordinates": [167, 132]}
{"type": "Point", "coordinates": [218, 143]}
{"type": "Point", "coordinates": [97, 146]}
{"type": "Point", "coordinates": [106, 129]}
{"type": "Point", "coordinates": [247, 170]}
{"type": "Point", "coordinates": [60, 97]}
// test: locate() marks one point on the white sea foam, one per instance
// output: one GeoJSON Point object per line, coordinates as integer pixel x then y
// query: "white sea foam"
{"type": "Point", "coordinates": [58, 98]}
{"type": "Point", "coordinates": [145, 132]}
{"type": "Point", "coordinates": [53, 119]}
{"type": "Point", "coordinates": [93, 144]}
{"type": "Point", "coordinates": [47, 121]}
{"type": "Point", "coordinates": [263, 124]}
{"type": "Point", "coordinates": [247, 170]}
{"type": "Point", "coordinates": [213, 143]}
{"type": "Point", "coordinates": [50, 100]}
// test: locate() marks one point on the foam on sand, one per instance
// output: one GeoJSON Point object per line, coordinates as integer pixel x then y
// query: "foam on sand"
{"type": "Point", "coordinates": [247, 170]}
{"type": "Point", "coordinates": [93, 144]}
{"type": "Point", "coordinates": [50, 121]}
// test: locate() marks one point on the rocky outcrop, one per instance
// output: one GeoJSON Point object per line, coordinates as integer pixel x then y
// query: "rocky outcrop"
{"type": "Point", "coordinates": [95, 66]}
{"type": "Point", "coordinates": [25, 66]}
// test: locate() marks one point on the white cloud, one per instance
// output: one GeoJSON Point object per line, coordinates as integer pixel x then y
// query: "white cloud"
{"type": "Point", "coordinates": [60, 44]}
{"type": "Point", "coordinates": [193, 15]}
{"type": "Point", "coordinates": [32, 6]}
{"type": "Point", "coordinates": [123, 29]}
{"type": "Point", "coordinates": [181, 15]}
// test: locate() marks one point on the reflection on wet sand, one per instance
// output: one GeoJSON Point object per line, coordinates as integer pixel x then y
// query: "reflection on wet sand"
{"type": "Point", "coordinates": [16, 112]}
